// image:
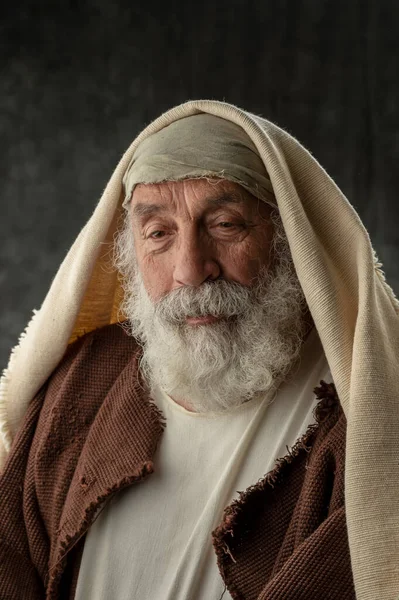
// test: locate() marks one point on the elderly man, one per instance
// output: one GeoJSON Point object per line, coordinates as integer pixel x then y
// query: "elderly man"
{"type": "Point", "coordinates": [243, 281]}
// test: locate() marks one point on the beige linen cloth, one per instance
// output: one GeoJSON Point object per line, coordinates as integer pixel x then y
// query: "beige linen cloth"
{"type": "Point", "coordinates": [354, 310]}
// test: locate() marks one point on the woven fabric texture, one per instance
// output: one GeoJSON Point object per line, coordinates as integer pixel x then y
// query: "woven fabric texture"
{"type": "Point", "coordinates": [92, 430]}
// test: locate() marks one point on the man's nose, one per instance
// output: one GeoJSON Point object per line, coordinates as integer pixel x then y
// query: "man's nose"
{"type": "Point", "coordinates": [195, 262]}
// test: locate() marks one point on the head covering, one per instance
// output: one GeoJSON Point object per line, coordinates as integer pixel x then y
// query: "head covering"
{"type": "Point", "coordinates": [199, 146]}
{"type": "Point", "coordinates": [354, 310]}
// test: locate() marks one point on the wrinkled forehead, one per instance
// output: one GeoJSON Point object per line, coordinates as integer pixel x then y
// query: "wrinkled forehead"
{"type": "Point", "coordinates": [199, 146]}
{"type": "Point", "coordinates": [196, 197]}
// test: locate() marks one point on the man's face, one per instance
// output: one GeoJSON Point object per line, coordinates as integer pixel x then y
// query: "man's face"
{"type": "Point", "coordinates": [205, 252]}
{"type": "Point", "coordinates": [192, 231]}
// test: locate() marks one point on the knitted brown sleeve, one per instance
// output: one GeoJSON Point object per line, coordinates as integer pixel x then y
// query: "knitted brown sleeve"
{"type": "Point", "coordinates": [20, 577]}
{"type": "Point", "coordinates": [24, 541]}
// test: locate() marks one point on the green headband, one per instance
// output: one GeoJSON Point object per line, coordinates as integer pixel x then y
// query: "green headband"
{"type": "Point", "coordinates": [199, 146]}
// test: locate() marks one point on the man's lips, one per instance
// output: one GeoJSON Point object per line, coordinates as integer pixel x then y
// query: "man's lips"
{"type": "Point", "coordinates": [207, 320]}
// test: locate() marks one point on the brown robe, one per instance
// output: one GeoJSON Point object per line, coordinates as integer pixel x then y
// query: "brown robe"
{"type": "Point", "coordinates": [92, 430]}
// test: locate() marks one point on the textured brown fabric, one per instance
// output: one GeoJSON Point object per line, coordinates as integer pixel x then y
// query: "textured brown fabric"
{"type": "Point", "coordinates": [286, 538]}
{"type": "Point", "coordinates": [93, 430]}
{"type": "Point", "coordinates": [94, 433]}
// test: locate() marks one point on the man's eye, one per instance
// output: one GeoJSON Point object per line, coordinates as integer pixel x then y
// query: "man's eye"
{"type": "Point", "coordinates": [227, 225]}
{"type": "Point", "coordinates": [156, 235]}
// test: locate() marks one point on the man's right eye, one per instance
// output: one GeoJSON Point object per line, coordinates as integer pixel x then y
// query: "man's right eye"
{"type": "Point", "coordinates": [156, 235]}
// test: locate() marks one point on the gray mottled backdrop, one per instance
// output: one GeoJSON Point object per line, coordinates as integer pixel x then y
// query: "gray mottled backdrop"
{"type": "Point", "coordinates": [79, 80]}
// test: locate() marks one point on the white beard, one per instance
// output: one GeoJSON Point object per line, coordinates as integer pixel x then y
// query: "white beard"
{"type": "Point", "coordinates": [212, 368]}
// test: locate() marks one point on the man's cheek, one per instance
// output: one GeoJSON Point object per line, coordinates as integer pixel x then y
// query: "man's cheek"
{"type": "Point", "coordinates": [243, 265]}
{"type": "Point", "coordinates": [157, 284]}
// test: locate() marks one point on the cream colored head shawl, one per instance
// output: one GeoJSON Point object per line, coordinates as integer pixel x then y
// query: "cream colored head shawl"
{"type": "Point", "coordinates": [354, 311]}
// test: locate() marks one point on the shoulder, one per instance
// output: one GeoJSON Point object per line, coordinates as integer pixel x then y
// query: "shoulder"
{"type": "Point", "coordinates": [111, 343]}
{"type": "Point", "coordinates": [90, 367]}
{"type": "Point", "coordinates": [102, 353]}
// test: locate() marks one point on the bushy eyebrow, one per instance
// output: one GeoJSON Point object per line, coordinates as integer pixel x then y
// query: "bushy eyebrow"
{"type": "Point", "coordinates": [227, 198]}
{"type": "Point", "coordinates": [143, 209]}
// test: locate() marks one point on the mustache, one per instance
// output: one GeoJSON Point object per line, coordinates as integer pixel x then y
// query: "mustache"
{"type": "Point", "coordinates": [218, 298]}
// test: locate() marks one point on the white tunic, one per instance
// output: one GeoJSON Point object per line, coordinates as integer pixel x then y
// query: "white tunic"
{"type": "Point", "coordinates": [153, 540]}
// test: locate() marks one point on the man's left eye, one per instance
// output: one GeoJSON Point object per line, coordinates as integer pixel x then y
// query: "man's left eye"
{"type": "Point", "coordinates": [229, 226]}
